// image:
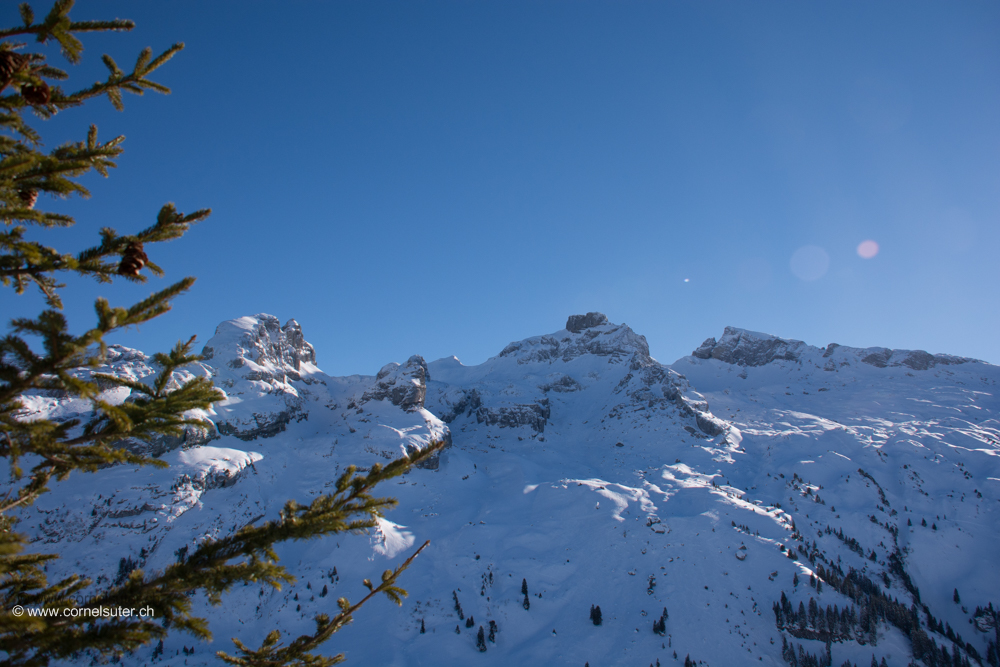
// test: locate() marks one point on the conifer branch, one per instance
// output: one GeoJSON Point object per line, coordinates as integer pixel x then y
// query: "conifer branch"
{"type": "Point", "coordinates": [271, 654]}
{"type": "Point", "coordinates": [41, 450]}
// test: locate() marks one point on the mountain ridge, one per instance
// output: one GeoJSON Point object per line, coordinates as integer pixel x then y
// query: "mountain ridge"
{"type": "Point", "coordinates": [601, 476]}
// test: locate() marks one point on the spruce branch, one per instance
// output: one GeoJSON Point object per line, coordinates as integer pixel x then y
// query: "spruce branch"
{"type": "Point", "coordinates": [39, 451]}
{"type": "Point", "coordinates": [214, 568]}
{"type": "Point", "coordinates": [298, 653]}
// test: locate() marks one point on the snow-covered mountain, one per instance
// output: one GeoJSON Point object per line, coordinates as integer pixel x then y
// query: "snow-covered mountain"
{"type": "Point", "coordinates": [761, 491]}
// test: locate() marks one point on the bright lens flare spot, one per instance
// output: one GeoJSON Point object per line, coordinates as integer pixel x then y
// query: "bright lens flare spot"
{"type": "Point", "coordinates": [867, 249]}
{"type": "Point", "coordinates": [687, 280]}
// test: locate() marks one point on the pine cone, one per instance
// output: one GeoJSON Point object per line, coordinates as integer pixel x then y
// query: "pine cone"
{"type": "Point", "coordinates": [36, 95]}
{"type": "Point", "coordinates": [133, 260]}
{"type": "Point", "coordinates": [10, 64]}
{"type": "Point", "coordinates": [28, 197]}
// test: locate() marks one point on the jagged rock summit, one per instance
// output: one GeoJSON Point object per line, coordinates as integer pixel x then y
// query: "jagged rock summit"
{"type": "Point", "coordinates": [267, 372]}
{"type": "Point", "coordinates": [577, 323]}
{"type": "Point", "coordinates": [591, 334]}
{"type": "Point", "coordinates": [261, 349]}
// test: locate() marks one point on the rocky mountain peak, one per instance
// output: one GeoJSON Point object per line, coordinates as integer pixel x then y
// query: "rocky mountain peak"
{"type": "Point", "coordinates": [261, 346]}
{"type": "Point", "coordinates": [599, 337]}
{"type": "Point", "coordinates": [577, 323]}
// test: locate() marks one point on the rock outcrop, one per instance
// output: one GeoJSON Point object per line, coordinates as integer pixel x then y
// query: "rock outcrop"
{"type": "Point", "coordinates": [532, 415]}
{"type": "Point", "coordinates": [577, 323]}
{"type": "Point", "coordinates": [750, 349]}
{"type": "Point", "coordinates": [404, 385]}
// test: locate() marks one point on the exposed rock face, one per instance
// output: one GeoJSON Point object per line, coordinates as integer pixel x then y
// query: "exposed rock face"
{"type": "Point", "coordinates": [166, 443]}
{"type": "Point", "coordinates": [449, 405]}
{"type": "Point", "coordinates": [296, 350]}
{"type": "Point", "coordinates": [879, 358]}
{"type": "Point", "coordinates": [268, 351]}
{"type": "Point", "coordinates": [577, 323]}
{"type": "Point", "coordinates": [265, 370]}
{"type": "Point", "coordinates": [265, 425]}
{"type": "Point", "coordinates": [617, 342]}
{"type": "Point", "coordinates": [656, 387]}
{"type": "Point", "coordinates": [918, 360]}
{"type": "Point", "coordinates": [533, 415]}
{"type": "Point", "coordinates": [705, 351]}
{"type": "Point", "coordinates": [404, 386]}
{"type": "Point", "coordinates": [749, 349]}
{"type": "Point", "coordinates": [562, 384]}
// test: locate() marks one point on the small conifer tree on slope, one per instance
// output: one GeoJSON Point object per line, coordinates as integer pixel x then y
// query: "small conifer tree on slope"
{"type": "Point", "coordinates": [39, 452]}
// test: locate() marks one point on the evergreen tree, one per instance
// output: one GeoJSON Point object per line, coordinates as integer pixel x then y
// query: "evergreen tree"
{"type": "Point", "coordinates": [955, 598]}
{"type": "Point", "coordinates": [660, 625]}
{"type": "Point", "coordinates": [422, 628]}
{"type": "Point", "coordinates": [481, 640]}
{"type": "Point", "coordinates": [524, 586]}
{"type": "Point", "coordinates": [526, 603]}
{"type": "Point", "coordinates": [596, 616]}
{"type": "Point", "coordinates": [493, 631]}
{"type": "Point", "coordinates": [56, 449]}
{"type": "Point", "coordinates": [469, 622]}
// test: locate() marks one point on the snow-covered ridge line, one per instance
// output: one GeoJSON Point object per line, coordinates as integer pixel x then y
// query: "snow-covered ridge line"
{"type": "Point", "coordinates": [712, 488]}
{"type": "Point", "coordinates": [742, 347]}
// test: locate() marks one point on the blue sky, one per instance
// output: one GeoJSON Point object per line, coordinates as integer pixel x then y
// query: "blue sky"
{"type": "Point", "coordinates": [445, 177]}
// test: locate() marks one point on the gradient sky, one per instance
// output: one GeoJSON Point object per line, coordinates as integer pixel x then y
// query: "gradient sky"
{"type": "Point", "coordinates": [445, 177]}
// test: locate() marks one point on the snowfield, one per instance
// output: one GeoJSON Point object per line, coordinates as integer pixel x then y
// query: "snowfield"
{"type": "Point", "coordinates": [727, 488]}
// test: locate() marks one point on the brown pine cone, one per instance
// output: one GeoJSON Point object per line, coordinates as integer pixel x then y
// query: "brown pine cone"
{"type": "Point", "coordinates": [133, 260]}
{"type": "Point", "coordinates": [10, 64]}
{"type": "Point", "coordinates": [36, 95]}
{"type": "Point", "coordinates": [28, 197]}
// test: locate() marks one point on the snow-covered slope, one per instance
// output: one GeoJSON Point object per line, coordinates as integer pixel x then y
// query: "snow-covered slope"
{"type": "Point", "coordinates": [713, 488]}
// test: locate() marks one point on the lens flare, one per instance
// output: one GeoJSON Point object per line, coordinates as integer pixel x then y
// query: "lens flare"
{"type": "Point", "coordinates": [867, 249]}
{"type": "Point", "coordinates": [810, 262]}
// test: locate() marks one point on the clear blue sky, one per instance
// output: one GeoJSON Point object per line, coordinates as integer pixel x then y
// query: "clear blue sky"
{"type": "Point", "coordinates": [445, 177]}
